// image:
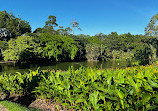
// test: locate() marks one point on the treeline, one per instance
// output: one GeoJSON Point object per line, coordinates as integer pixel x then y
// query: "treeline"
{"type": "Point", "coordinates": [55, 43]}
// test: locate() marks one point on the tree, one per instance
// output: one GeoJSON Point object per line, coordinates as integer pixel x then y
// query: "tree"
{"type": "Point", "coordinates": [3, 46]}
{"type": "Point", "coordinates": [22, 49]}
{"type": "Point", "coordinates": [23, 27]}
{"type": "Point", "coordinates": [75, 24]}
{"type": "Point", "coordinates": [50, 24]}
{"type": "Point", "coordinates": [38, 30]}
{"type": "Point", "coordinates": [15, 25]}
{"type": "Point", "coordinates": [67, 30]}
{"type": "Point", "coordinates": [152, 28]}
{"type": "Point", "coordinates": [62, 31]}
{"type": "Point", "coordinates": [58, 47]}
{"type": "Point", "coordinates": [4, 18]}
{"type": "Point", "coordinates": [92, 52]}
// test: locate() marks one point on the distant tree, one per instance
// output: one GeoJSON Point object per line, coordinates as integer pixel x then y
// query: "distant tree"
{"type": "Point", "coordinates": [92, 52]}
{"type": "Point", "coordinates": [4, 18]}
{"type": "Point", "coordinates": [101, 38]}
{"type": "Point", "coordinates": [23, 27]}
{"type": "Point", "coordinates": [50, 24]}
{"type": "Point", "coordinates": [75, 25]}
{"type": "Point", "coordinates": [60, 31]}
{"type": "Point", "coordinates": [15, 25]}
{"type": "Point", "coordinates": [58, 47]}
{"type": "Point", "coordinates": [152, 28]}
{"type": "Point", "coordinates": [67, 30]}
{"type": "Point", "coordinates": [83, 36]}
{"type": "Point", "coordinates": [38, 30]}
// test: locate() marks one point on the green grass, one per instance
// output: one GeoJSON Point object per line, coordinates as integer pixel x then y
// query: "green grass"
{"type": "Point", "coordinates": [16, 107]}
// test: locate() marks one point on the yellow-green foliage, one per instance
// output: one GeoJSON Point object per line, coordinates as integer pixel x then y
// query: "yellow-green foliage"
{"type": "Point", "coordinates": [59, 46]}
{"type": "Point", "coordinates": [132, 88]}
{"type": "Point", "coordinates": [20, 83]}
{"type": "Point", "coordinates": [112, 89]}
{"type": "Point", "coordinates": [21, 48]}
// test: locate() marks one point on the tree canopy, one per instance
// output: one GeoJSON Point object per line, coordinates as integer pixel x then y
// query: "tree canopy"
{"type": "Point", "coordinates": [152, 28]}
{"type": "Point", "coordinates": [55, 43]}
{"type": "Point", "coordinates": [16, 26]}
{"type": "Point", "coordinates": [22, 49]}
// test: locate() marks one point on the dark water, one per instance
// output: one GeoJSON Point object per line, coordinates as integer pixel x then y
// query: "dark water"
{"type": "Point", "coordinates": [13, 68]}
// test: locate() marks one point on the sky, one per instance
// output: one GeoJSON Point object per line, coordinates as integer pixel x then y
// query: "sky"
{"type": "Point", "coordinates": [93, 16]}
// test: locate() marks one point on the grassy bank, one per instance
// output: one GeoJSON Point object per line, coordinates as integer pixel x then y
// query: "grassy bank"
{"type": "Point", "coordinates": [16, 107]}
{"type": "Point", "coordinates": [132, 88]}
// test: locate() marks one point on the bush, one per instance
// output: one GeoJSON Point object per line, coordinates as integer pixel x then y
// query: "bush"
{"type": "Point", "coordinates": [21, 49]}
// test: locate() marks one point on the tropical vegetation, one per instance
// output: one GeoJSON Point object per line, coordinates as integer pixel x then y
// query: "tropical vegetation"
{"type": "Point", "coordinates": [55, 43]}
{"type": "Point", "coordinates": [132, 88]}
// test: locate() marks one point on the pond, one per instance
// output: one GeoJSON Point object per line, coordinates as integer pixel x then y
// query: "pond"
{"type": "Point", "coordinates": [13, 68]}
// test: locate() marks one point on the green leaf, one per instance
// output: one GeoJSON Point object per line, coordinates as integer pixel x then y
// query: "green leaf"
{"type": "Point", "coordinates": [80, 100]}
{"type": "Point", "coordinates": [151, 108]}
{"type": "Point", "coordinates": [111, 98]}
{"type": "Point", "coordinates": [145, 98]}
{"type": "Point", "coordinates": [72, 99]}
{"type": "Point", "coordinates": [65, 104]}
{"type": "Point", "coordinates": [120, 94]}
{"type": "Point", "coordinates": [93, 97]}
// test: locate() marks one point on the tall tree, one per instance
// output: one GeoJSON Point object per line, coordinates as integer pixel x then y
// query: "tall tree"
{"type": "Point", "coordinates": [50, 24]}
{"type": "Point", "coordinates": [75, 24]}
{"type": "Point", "coordinates": [152, 28]}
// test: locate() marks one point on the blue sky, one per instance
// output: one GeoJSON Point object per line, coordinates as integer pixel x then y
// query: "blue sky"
{"type": "Point", "coordinates": [94, 16]}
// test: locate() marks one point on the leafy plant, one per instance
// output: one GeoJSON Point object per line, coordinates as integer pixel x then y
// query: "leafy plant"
{"type": "Point", "coordinates": [133, 88]}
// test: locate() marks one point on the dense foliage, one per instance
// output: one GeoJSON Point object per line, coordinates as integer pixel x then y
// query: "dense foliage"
{"type": "Point", "coordinates": [55, 43]}
{"type": "Point", "coordinates": [22, 49]}
{"type": "Point", "coordinates": [124, 46]}
{"type": "Point", "coordinates": [132, 88]}
{"type": "Point", "coordinates": [58, 47]}
{"type": "Point", "coordinates": [15, 25]}
{"type": "Point", "coordinates": [67, 47]}
{"type": "Point", "coordinates": [27, 48]}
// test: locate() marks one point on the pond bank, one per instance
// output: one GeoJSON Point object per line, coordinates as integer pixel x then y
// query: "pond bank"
{"type": "Point", "coordinates": [3, 62]}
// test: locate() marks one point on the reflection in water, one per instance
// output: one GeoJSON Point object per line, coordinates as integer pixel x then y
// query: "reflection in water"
{"type": "Point", "coordinates": [13, 68]}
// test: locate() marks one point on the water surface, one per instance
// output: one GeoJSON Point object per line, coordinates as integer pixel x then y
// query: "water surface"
{"type": "Point", "coordinates": [13, 68]}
